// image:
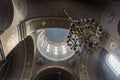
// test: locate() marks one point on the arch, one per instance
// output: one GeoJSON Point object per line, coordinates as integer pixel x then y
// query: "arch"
{"type": "Point", "coordinates": [29, 57]}
{"type": "Point", "coordinates": [21, 61]}
{"type": "Point", "coordinates": [49, 72]}
{"type": "Point", "coordinates": [25, 28]}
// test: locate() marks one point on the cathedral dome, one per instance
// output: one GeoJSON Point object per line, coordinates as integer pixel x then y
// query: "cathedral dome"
{"type": "Point", "coordinates": [51, 43]}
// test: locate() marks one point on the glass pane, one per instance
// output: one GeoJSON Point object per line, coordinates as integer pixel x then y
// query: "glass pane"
{"type": "Point", "coordinates": [63, 49]}
{"type": "Point", "coordinates": [56, 50]}
{"type": "Point", "coordinates": [48, 48]}
{"type": "Point", "coordinates": [114, 64]}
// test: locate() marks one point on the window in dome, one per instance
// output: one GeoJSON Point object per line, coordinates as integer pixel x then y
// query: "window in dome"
{"type": "Point", "coordinates": [48, 48]}
{"type": "Point", "coordinates": [56, 50]}
{"type": "Point", "coordinates": [63, 49]}
{"type": "Point", "coordinates": [42, 42]}
{"type": "Point", "coordinates": [114, 64]}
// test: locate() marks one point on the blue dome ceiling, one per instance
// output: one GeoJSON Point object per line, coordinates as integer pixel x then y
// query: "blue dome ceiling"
{"type": "Point", "coordinates": [57, 34]}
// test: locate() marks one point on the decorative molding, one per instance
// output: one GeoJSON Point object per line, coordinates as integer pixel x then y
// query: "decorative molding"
{"type": "Point", "coordinates": [14, 35]}
{"type": "Point", "coordinates": [9, 40]}
{"type": "Point", "coordinates": [83, 68]}
{"type": "Point", "coordinates": [109, 43]}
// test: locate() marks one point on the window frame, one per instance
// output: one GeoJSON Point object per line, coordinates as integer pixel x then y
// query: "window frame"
{"type": "Point", "coordinates": [113, 66]}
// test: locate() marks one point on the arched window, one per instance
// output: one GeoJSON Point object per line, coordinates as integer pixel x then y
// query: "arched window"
{"type": "Point", "coordinates": [48, 48]}
{"type": "Point", "coordinates": [56, 50]}
{"type": "Point", "coordinates": [64, 49]}
{"type": "Point", "coordinates": [114, 63]}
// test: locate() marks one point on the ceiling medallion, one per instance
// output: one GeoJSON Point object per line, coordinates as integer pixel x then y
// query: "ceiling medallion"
{"type": "Point", "coordinates": [84, 35]}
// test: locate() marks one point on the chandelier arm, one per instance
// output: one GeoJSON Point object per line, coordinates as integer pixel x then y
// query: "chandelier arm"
{"type": "Point", "coordinates": [85, 33]}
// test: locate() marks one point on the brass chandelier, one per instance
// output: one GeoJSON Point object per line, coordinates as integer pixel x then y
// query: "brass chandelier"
{"type": "Point", "coordinates": [84, 35]}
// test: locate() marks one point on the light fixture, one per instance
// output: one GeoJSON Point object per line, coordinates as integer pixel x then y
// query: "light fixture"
{"type": "Point", "coordinates": [84, 34]}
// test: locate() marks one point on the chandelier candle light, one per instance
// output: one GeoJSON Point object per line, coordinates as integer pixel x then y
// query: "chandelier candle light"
{"type": "Point", "coordinates": [84, 34]}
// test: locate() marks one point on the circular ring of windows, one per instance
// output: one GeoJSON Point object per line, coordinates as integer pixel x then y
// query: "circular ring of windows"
{"type": "Point", "coordinates": [54, 50]}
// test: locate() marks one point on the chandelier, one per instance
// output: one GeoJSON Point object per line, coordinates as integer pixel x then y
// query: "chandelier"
{"type": "Point", "coordinates": [84, 35]}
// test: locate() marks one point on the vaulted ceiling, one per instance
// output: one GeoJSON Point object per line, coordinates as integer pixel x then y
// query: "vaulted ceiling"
{"type": "Point", "coordinates": [12, 12]}
{"type": "Point", "coordinates": [22, 9]}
